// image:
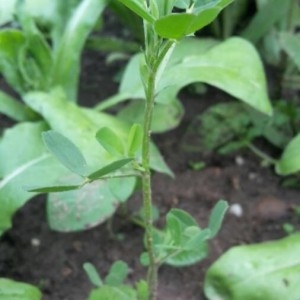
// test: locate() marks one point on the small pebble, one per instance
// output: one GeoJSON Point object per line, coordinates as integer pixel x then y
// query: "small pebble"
{"type": "Point", "coordinates": [236, 210]}
{"type": "Point", "coordinates": [239, 161]}
{"type": "Point", "coordinates": [35, 242]}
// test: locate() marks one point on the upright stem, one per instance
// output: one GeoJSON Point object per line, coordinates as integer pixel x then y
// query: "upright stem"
{"type": "Point", "coordinates": [150, 90]}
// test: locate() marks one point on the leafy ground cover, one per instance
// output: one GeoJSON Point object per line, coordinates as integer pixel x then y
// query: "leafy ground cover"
{"type": "Point", "coordinates": [53, 261]}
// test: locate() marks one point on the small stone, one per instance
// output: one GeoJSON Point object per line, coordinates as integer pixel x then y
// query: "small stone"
{"type": "Point", "coordinates": [270, 208]}
{"type": "Point", "coordinates": [66, 271]}
{"type": "Point", "coordinates": [239, 161]}
{"type": "Point", "coordinates": [35, 242]}
{"type": "Point", "coordinates": [236, 209]}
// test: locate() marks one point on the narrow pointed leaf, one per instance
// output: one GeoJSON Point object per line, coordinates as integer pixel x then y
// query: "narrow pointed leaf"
{"type": "Point", "coordinates": [116, 165]}
{"type": "Point", "coordinates": [65, 151]}
{"type": "Point", "coordinates": [53, 189]}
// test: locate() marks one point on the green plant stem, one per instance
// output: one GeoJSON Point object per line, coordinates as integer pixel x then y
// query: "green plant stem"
{"type": "Point", "coordinates": [150, 90]}
{"type": "Point", "coordinates": [261, 154]}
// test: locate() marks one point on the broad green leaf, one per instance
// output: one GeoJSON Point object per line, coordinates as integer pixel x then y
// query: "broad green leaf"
{"type": "Point", "coordinates": [14, 290]}
{"type": "Point", "coordinates": [107, 292]}
{"type": "Point", "coordinates": [53, 189]}
{"type": "Point", "coordinates": [233, 66]}
{"type": "Point", "coordinates": [291, 45]}
{"type": "Point", "coordinates": [135, 139]}
{"type": "Point", "coordinates": [216, 217]}
{"type": "Point", "coordinates": [68, 53]}
{"type": "Point", "coordinates": [116, 165]}
{"type": "Point", "coordinates": [93, 275]}
{"type": "Point", "coordinates": [14, 109]}
{"type": "Point", "coordinates": [264, 19]}
{"type": "Point", "coordinates": [117, 274]}
{"type": "Point", "coordinates": [110, 141]}
{"type": "Point", "coordinates": [177, 26]}
{"type": "Point", "coordinates": [139, 7]}
{"type": "Point", "coordinates": [81, 209]}
{"type": "Point", "coordinates": [65, 151]}
{"type": "Point", "coordinates": [24, 162]}
{"type": "Point", "coordinates": [289, 162]}
{"type": "Point", "coordinates": [269, 271]}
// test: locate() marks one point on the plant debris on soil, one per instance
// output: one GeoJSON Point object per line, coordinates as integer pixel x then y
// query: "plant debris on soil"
{"type": "Point", "coordinates": [33, 253]}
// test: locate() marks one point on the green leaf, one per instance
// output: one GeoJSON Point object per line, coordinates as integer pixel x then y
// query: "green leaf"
{"type": "Point", "coordinates": [12, 42]}
{"type": "Point", "coordinates": [53, 189]}
{"type": "Point", "coordinates": [177, 26]}
{"type": "Point", "coordinates": [28, 165]}
{"type": "Point", "coordinates": [14, 109]}
{"type": "Point", "coordinates": [217, 216]}
{"type": "Point", "coordinates": [14, 290]}
{"type": "Point", "coordinates": [135, 139]}
{"type": "Point", "coordinates": [291, 45]}
{"type": "Point", "coordinates": [92, 274]}
{"type": "Point", "coordinates": [139, 7]}
{"type": "Point", "coordinates": [65, 151]}
{"type": "Point", "coordinates": [116, 165]}
{"type": "Point", "coordinates": [108, 292]}
{"type": "Point", "coordinates": [289, 162]}
{"type": "Point", "coordinates": [269, 271]}
{"type": "Point", "coordinates": [142, 290]}
{"type": "Point", "coordinates": [272, 12]}
{"type": "Point", "coordinates": [110, 141]}
{"type": "Point", "coordinates": [117, 273]}
{"type": "Point", "coordinates": [66, 65]}
{"type": "Point", "coordinates": [81, 209]}
{"type": "Point", "coordinates": [233, 66]}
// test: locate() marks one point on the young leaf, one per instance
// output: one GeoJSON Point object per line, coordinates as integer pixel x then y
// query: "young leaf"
{"type": "Point", "coordinates": [107, 292]}
{"type": "Point", "coordinates": [92, 274]}
{"type": "Point", "coordinates": [65, 151]}
{"type": "Point", "coordinates": [135, 139]}
{"type": "Point", "coordinates": [117, 273]}
{"type": "Point", "coordinates": [53, 189]}
{"type": "Point", "coordinates": [216, 217]}
{"type": "Point", "coordinates": [109, 168]}
{"type": "Point", "coordinates": [110, 141]}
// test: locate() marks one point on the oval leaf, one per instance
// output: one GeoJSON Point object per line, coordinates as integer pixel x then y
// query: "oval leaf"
{"type": "Point", "coordinates": [65, 151]}
{"type": "Point", "coordinates": [216, 217]}
{"type": "Point", "coordinates": [110, 141]}
{"type": "Point", "coordinates": [92, 273]}
{"type": "Point", "coordinates": [135, 139]}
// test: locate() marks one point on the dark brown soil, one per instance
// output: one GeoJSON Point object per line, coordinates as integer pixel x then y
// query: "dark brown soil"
{"type": "Point", "coordinates": [55, 265]}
